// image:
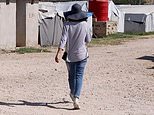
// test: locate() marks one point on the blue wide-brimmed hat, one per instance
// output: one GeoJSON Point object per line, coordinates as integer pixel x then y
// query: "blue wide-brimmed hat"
{"type": "Point", "coordinates": [76, 13]}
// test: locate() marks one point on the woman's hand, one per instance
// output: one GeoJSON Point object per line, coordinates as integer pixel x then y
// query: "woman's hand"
{"type": "Point", "coordinates": [58, 55]}
{"type": "Point", "coordinates": [57, 58]}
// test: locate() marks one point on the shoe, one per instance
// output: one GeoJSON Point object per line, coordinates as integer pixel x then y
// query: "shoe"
{"type": "Point", "coordinates": [76, 103]}
{"type": "Point", "coordinates": [72, 97]}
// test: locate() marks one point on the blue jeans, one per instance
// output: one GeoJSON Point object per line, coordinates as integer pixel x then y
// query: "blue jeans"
{"type": "Point", "coordinates": [75, 76]}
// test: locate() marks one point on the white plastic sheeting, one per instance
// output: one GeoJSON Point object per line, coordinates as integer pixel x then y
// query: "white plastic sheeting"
{"type": "Point", "coordinates": [117, 13]}
{"type": "Point", "coordinates": [134, 10]}
{"type": "Point", "coordinates": [53, 8]}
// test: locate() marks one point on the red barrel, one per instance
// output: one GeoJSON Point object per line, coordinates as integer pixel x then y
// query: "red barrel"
{"type": "Point", "coordinates": [100, 9]}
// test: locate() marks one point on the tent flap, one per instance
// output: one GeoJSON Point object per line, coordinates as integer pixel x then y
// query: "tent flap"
{"type": "Point", "coordinates": [136, 17]}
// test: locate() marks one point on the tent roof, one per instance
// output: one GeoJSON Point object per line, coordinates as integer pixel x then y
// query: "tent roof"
{"type": "Point", "coordinates": [147, 9]}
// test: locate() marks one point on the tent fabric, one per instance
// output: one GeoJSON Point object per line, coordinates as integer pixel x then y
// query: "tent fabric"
{"type": "Point", "coordinates": [53, 8]}
{"type": "Point", "coordinates": [121, 14]}
{"type": "Point", "coordinates": [146, 9]}
{"type": "Point", "coordinates": [134, 23]}
{"type": "Point", "coordinates": [150, 20]}
{"type": "Point", "coordinates": [115, 14]}
{"type": "Point", "coordinates": [138, 18]}
{"type": "Point", "coordinates": [51, 20]}
{"type": "Point", "coordinates": [50, 31]}
{"type": "Point", "coordinates": [147, 20]}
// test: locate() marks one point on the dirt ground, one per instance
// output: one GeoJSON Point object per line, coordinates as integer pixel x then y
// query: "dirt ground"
{"type": "Point", "coordinates": [119, 80]}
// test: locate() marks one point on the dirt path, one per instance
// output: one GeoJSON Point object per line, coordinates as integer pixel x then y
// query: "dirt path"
{"type": "Point", "coordinates": [119, 80]}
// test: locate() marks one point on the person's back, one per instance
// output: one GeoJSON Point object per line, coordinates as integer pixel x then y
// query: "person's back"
{"type": "Point", "coordinates": [78, 36]}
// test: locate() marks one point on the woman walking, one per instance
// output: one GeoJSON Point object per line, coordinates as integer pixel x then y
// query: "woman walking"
{"type": "Point", "coordinates": [74, 38]}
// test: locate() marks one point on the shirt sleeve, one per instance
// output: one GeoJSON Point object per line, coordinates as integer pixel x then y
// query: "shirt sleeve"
{"type": "Point", "coordinates": [63, 38]}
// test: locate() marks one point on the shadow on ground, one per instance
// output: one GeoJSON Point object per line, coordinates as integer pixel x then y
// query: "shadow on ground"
{"type": "Point", "coordinates": [27, 103]}
{"type": "Point", "coordinates": [150, 58]}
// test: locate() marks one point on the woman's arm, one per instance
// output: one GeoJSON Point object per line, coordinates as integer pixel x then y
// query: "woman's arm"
{"type": "Point", "coordinates": [62, 44]}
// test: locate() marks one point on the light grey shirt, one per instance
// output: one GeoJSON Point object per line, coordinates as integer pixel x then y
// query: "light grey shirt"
{"type": "Point", "coordinates": [75, 35]}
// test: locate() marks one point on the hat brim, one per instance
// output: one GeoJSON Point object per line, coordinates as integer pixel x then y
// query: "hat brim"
{"type": "Point", "coordinates": [77, 16]}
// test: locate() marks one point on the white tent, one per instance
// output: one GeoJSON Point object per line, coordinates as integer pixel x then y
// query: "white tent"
{"type": "Point", "coordinates": [132, 18]}
{"type": "Point", "coordinates": [137, 17]}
